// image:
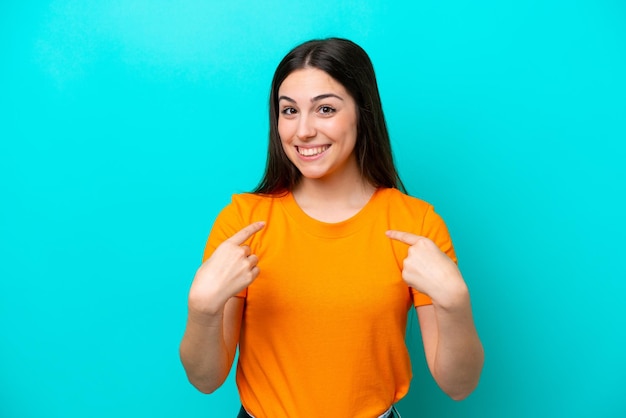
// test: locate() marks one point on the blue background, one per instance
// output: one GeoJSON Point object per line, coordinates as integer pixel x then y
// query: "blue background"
{"type": "Point", "coordinates": [126, 125]}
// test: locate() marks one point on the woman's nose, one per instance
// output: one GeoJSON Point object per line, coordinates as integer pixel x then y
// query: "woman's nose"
{"type": "Point", "coordinates": [306, 128]}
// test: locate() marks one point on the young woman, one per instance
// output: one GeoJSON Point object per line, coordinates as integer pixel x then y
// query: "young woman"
{"type": "Point", "coordinates": [312, 274]}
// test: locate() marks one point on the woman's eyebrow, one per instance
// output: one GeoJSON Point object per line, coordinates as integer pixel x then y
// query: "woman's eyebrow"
{"type": "Point", "coordinates": [325, 96]}
{"type": "Point", "coordinates": [314, 99]}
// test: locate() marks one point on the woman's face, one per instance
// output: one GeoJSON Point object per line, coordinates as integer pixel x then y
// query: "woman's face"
{"type": "Point", "coordinates": [317, 124]}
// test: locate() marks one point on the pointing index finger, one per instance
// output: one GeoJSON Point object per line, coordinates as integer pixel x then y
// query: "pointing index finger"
{"type": "Point", "coordinates": [242, 236]}
{"type": "Point", "coordinates": [406, 237]}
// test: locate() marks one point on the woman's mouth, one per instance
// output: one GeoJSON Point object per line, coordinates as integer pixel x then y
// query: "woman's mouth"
{"type": "Point", "coordinates": [312, 151]}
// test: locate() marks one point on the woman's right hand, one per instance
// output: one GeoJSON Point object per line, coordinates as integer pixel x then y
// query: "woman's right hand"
{"type": "Point", "coordinates": [229, 270]}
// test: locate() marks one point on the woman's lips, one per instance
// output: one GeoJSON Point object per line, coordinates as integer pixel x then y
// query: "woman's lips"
{"type": "Point", "coordinates": [312, 151]}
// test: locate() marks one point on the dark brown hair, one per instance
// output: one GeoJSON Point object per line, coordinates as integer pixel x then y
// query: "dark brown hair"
{"type": "Point", "coordinates": [350, 65]}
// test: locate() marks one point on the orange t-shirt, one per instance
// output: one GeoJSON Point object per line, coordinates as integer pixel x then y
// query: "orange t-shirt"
{"type": "Point", "coordinates": [324, 322]}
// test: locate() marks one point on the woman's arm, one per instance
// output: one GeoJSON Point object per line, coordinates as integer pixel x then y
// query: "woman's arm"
{"type": "Point", "coordinates": [453, 349]}
{"type": "Point", "coordinates": [214, 316]}
{"type": "Point", "coordinates": [207, 350]}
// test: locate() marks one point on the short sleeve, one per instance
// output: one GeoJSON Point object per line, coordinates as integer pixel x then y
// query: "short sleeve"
{"type": "Point", "coordinates": [227, 223]}
{"type": "Point", "coordinates": [435, 229]}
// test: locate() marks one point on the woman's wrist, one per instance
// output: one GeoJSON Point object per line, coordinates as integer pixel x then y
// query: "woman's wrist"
{"type": "Point", "coordinates": [204, 313]}
{"type": "Point", "coordinates": [455, 297]}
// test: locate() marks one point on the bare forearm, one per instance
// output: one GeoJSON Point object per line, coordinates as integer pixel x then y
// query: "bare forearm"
{"type": "Point", "coordinates": [215, 314]}
{"type": "Point", "coordinates": [459, 355]}
{"type": "Point", "coordinates": [453, 349]}
{"type": "Point", "coordinates": [204, 353]}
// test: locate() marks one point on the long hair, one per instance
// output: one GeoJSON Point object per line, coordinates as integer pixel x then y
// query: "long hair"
{"type": "Point", "coordinates": [350, 65]}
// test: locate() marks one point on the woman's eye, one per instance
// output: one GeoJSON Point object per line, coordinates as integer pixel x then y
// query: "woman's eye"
{"type": "Point", "coordinates": [326, 110]}
{"type": "Point", "coordinates": [288, 111]}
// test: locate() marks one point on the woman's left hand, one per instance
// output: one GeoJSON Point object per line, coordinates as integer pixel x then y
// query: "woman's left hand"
{"type": "Point", "coordinates": [429, 270]}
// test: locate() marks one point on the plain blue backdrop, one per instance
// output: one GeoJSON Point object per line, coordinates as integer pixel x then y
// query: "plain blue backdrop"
{"type": "Point", "coordinates": [126, 125]}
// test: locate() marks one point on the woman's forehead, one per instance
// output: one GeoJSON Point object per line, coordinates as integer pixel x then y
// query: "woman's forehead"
{"type": "Point", "coordinates": [309, 83]}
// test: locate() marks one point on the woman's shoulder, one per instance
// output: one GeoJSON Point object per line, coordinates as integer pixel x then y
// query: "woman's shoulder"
{"type": "Point", "coordinates": [395, 197]}
{"type": "Point", "coordinates": [406, 209]}
{"type": "Point", "coordinates": [247, 203]}
{"type": "Point", "coordinates": [254, 199]}
{"type": "Point", "coordinates": [245, 208]}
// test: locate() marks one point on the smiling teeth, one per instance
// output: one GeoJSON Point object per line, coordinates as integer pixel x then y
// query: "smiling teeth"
{"type": "Point", "coordinates": [310, 152]}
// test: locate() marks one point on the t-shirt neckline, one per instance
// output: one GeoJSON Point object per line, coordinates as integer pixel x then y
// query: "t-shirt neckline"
{"type": "Point", "coordinates": [336, 229]}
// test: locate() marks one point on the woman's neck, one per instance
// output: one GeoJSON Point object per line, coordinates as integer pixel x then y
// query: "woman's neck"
{"type": "Point", "coordinates": [333, 199]}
